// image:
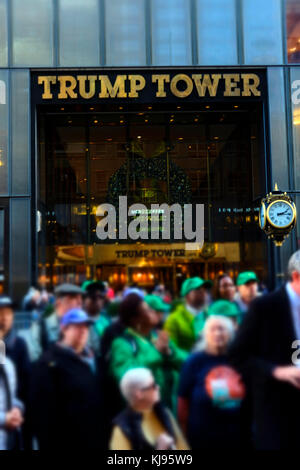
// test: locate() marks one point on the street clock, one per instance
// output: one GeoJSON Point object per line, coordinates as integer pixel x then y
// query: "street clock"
{"type": "Point", "coordinates": [277, 215]}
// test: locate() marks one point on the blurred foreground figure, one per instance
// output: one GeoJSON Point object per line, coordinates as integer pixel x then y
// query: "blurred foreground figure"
{"type": "Point", "coordinates": [224, 288]}
{"type": "Point", "coordinates": [36, 300]}
{"type": "Point", "coordinates": [46, 331]}
{"type": "Point", "coordinates": [10, 409]}
{"type": "Point", "coordinates": [160, 307]}
{"type": "Point", "coordinates": [247, 285]}
{"type": "Point", "coordinates": [66, 390]}
{"type": "Point", "coordinates": [145, 424]}
{"type": "Point", "coordinates": [94, 305]}
{"type": "Point", "coordinates": [264, 351]}
{"type": "Point", "coordinates": [141, 346]}
{"type": "Point", "coordinates": [185, 324]}
{"type": "Point", "coordinates": [16, 351]}
{"type": "Point", "coordinates": [211, 392]}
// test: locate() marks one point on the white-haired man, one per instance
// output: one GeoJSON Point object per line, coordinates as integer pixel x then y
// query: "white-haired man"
{"type": "Point", "coordinates": [145, 424]}
{"type": "Point", "coordinates": [264, 351]}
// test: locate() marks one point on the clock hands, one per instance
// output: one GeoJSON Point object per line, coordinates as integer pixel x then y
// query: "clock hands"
{"type": "Point", "coordinates": [282, 213]}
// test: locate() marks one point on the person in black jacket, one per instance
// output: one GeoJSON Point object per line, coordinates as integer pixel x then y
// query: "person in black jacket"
{"type": "Point", "coordinates": [66, 390]}
{"type": "Point", "coordinates": [264, 352]}
{"type": "Point", "coordinates": [16, 350]}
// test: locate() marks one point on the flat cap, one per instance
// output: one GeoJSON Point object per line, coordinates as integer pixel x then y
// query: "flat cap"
{"type": "Point", "coordinates": [6, 302]}
{"type": "Point", "coordinates": [68, 289]}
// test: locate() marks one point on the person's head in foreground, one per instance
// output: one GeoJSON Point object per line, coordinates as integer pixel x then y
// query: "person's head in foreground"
{"type": "Point", "coordinates": [218, 333]}
{"type": "Point", "coordinates": [146, 424]}
{"type": "Point", "coordinates": [75, 329]}
{"type": "Point", "coordinates": [224, 288]}
{"type": "Point", "coordinates": [247, 284]}
{"type": "Point", "coordinates": [194, 291]}
{"type": "Point", "coordinates": [95, 297]}
{"type": "Point", "coordinates": [6, 315]}
{"type": "Point", "coordinates": [135, 313]}
{"type": "Point", "coordinates": [139, 389]}
{"type": "Point", "coordinates": [294, 271]}
{"type": "Point", "coordinates": [67, 296]}
{"type": "Point", "coordinates": [160, 307]}
{"type": "Point", "coordinates": [159, 290]}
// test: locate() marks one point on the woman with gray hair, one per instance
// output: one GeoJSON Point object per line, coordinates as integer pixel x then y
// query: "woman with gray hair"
{"type": "Point", "coordinates": [211, 392]}
{"type": "Point", "coordinates": [145, 424]}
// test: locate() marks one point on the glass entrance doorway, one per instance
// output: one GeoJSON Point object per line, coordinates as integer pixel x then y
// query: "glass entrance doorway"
{"type": "Point", "coordinates": [210, 154]}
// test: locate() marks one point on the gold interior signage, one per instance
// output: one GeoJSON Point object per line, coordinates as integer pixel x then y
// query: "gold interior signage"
{"type": "Point", "coordinates": [156, 86]}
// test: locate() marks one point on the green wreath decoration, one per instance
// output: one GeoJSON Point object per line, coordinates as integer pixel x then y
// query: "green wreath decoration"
{"type": "Point", "coordinates": [155, 168]}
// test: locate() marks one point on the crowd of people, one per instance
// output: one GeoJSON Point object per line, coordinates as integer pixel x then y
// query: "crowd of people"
{"type": "Point", "coordinates": [136, 370]}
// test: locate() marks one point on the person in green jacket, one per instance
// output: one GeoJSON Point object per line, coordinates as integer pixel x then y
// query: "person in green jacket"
{"type": "Point", "coordinates": [141, 346]}
{"type": "Point", "coordinates": [186, 323]}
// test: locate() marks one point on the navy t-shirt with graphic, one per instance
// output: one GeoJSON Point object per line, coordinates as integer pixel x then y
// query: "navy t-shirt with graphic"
{"type": "Point", "coordinates": [214, 405]}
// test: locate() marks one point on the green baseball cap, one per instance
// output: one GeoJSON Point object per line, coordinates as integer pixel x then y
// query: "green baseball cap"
{"type": "Point", "coordinates": [193, 283]}
{"type": "Point", "coordinates": [245, 277]}
{"type": "Point", "coordinates": [156, 303]}
{"type": "Point", "coordinates": [91, 282]}
{"type": "Point", "coordinates": [224, 308]}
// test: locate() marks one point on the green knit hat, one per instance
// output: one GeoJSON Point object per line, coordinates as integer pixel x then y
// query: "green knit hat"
{"type": "Point", "coordinates": [193, 283]}
{"type": "Point", "coordinates": [245, 277]}
{"type": "Point", "coordinates": [224, 308]}
{"type": "Point", "coordinates": [156, 303]}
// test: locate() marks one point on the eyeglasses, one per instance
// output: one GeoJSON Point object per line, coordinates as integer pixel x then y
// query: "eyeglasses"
{"type": "Point", "coordinates": [152, 386]}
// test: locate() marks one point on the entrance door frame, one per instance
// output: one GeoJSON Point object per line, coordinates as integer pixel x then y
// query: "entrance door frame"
{"type": "Point", "coordinates": [4, 206]}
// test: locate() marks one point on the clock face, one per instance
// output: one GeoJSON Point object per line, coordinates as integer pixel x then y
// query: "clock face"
{"type": "Point", "coordinates": [262, 215]}
{"type": "Point", "coordinates": [280, 214]}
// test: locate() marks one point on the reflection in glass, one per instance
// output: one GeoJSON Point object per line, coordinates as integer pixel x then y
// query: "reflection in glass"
{"type": "Point", "coordinates": [171, 32]}
{"type": "Point", "coordinates": [216, 31]}
{"type": "Point", "coordinates": [3, 33]}
{"type": "Point", "coordinates": [262, 31]}
{"type": "Point", "coordinates": [278, 134]}
{"type": "Point", "coordinates": [293, 30]}
{"type": "Point", "coordinates": [295, 75]}
{"type": "Point", "coordinates": [125, 32]}
{"type": "Point", "coordinates": [19, 130]}
{"type": "Point", "coordinates": [3, 132]}
{"type": "Point", "coordinates": [20, 258]}
{"type": "Point", "coordinates": [32, 24]}
{"type": "Point", "coordinates": [79, 32]}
